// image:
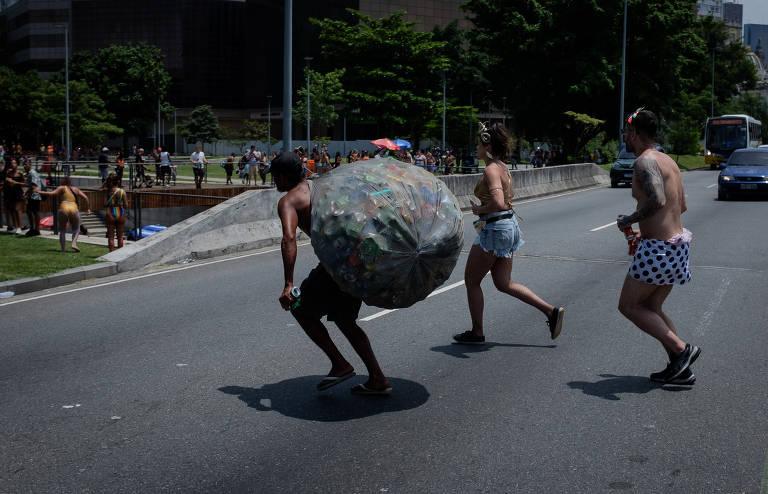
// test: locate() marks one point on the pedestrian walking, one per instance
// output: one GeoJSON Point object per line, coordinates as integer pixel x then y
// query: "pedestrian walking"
{"type": "Point", "coordinates": [229, 167]}
{"type": "Point", "coordinates": [13, 195]}
{"type": "Point", "coordinates": [115, 211]}
{"type": "Point", "coordinates": [320, 295]}
{"type": "Point", "coordinates": [103, 164]}
{"type": "Point", "coordinates": [119, 165]}
{"type": "Point", "coordinates": [498, 238]}
{"type": "Point", "coordinates": [165, 167]}
{"type": "Point", "coordinates": [69, 211]}
{"type": "Point", "coordinates": [662, 257]}
{"type": "Point", "coordinates": [198, 166]}
{"type": "Point", "coordinates": [254, 161]}
{"type": "Point", "coordinates": [34, 186]}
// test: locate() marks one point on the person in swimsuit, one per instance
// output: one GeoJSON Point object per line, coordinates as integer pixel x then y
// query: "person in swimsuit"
{"type": "Point", "coordinates": [498, 238]}
{"type": "Point", "coordinates": [68, 211]}
{"type": "Point", "coordinates": [662, 257]}
{"type": "Point", "coordinates": [115, 206]}
{"type": "Point", "coordinates": [320, 295]}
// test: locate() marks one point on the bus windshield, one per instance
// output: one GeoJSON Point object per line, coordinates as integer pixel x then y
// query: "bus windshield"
{"type": "Point", "coordinates": [727, 137]}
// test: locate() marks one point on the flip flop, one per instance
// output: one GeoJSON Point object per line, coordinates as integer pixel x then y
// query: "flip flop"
{"type": "Point", "coordinates": [362, 389]}
{"type": "Point", "coordinates": [331, 381]}
{"type": "Point", "coordinates": [76, 249]}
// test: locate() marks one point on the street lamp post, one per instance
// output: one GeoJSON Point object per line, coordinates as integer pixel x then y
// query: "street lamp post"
{"type": "Point", "coordinates": [66, 78]}
{"type": "Point", "coordinates": [308, 59]}
{"type": "Point", "coordinates": [443, 149]}
{"type": "Point", "coordinates": [712, 113]}
{"type": "Point", "coordinates": [287, 75]}
{"type": "Point", "coordinates": [504, 112]}
{"type": "Point", "coordinates": [623, 76]}
{"type": "Point", "coordinates": [269, 125]}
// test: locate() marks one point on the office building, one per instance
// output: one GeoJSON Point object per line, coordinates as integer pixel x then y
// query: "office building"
{"type": "Point", "coordinates": [732, 17]}
{"type": "Point", "coordinates": [756, 37]}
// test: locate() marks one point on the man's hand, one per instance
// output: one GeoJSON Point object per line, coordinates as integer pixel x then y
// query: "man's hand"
{"type": "Point", "coordinates": [285, 297]}
{"type": "Point", "coordinates": [621, 221]}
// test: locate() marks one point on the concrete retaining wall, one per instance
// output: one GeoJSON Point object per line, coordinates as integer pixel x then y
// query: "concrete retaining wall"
{"type": "Point", "coordinates": [249, 220]}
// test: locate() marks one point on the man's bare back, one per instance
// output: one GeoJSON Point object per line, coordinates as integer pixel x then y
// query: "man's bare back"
{"type": "Point", "coordinates": [658, 188]}
{"type": "Point", "coordinates": [295, 208]}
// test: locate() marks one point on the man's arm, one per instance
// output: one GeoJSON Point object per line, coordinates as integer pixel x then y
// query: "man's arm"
{"type": "Point", "coordinates": [289, 220]}
{"type": "Point", "coordinates": [648, 176]}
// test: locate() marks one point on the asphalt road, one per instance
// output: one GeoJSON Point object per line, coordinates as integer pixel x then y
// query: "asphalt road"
{"type": "Point", "coordinates": [193, 379]}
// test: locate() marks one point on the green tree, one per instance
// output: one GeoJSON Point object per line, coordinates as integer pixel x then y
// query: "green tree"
{"type": "Point", "coordinates": [548, 56]}
{"type": "Point", "coordinates": [17, 123]}
{"type": "Point", "coordinates": [460, 126]}
{"type": "Point", "coordinates": [201, 126]}
{"type": "Point", "coordinates": [749, 103]}
{"type": "Point", "coordinates": [578, 129]}
{"type": "Point", "coordinates": [90, 122]}
{"type": "Point", "coordinates": [131, 79]}
{"type": "Point", "coordinates": [392, 74]}
{"type": "Point", "coordinates": [326, 92]}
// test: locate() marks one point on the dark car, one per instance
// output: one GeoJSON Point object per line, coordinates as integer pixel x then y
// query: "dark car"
{"type": "Point", "coordinates": [746, 173]}
{"type": "Point", "coordinates": [624, 167]}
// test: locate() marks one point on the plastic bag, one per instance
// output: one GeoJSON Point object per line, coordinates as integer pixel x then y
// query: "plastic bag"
{"type": "Point", "coordinates": [386, 231]}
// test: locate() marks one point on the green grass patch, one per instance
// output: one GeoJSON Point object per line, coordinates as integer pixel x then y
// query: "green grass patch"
{"type": "Point", "coordinates": [24, 257]}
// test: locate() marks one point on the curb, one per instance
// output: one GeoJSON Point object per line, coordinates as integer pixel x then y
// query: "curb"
{"type": "Point", "coordinates": [66, 277]}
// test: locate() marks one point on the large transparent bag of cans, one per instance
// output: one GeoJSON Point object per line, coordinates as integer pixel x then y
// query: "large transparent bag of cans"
{"type": "Point", "coordinates": [386, 231]}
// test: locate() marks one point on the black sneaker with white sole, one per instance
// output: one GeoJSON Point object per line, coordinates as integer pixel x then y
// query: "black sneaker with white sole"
{"type": "Point", "coordinates": [469, 338]}
{"type": "Point", "coordinates": [555, 322]}
{"type": "Point", "coordinates": [682, 360]}
{"type": "Point", "coordinates": [685, 378]}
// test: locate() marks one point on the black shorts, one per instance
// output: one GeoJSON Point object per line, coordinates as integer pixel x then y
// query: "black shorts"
{"type": "Point", "coordinates": [33, 205]}
{"type": "Point", "coordinates": [199, 172]}
{"type": "Point", "coordinates": [321, 296]}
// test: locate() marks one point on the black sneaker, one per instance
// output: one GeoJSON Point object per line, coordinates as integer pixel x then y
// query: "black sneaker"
{"type": "Point", "coordinates": [685, 378]}
{"type": "Point", "coordinates": [555, 322]}
{"type": "Point", "coordinates": [682, 360]}
{"type": "Point", "coordinates": [469, 338]}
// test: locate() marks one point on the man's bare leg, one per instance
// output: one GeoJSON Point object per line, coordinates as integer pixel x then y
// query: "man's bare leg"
{"type": "Point", "coordinates": [655, 302]}
{"type": "Point", "coordinates": [359, 341]}
{"type": "Point", "coordinates": [318, 333]}
{"type": "Point", "coordinates": [632, 304]}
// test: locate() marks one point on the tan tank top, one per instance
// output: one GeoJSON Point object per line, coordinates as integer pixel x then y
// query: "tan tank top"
{"type": "Point", "coordinates": [484, 194]}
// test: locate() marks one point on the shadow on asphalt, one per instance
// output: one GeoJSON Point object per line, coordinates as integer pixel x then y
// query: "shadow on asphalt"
{"type": "Point", "coordinates": [298, 398]}
{"type": "Point", "coordinates": [463, 351]}
{"type": "Point", "coordinates": [612, 386]}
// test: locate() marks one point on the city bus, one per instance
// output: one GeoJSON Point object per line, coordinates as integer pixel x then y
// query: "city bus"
{"type": "Point", "coordinates": [728, 132]}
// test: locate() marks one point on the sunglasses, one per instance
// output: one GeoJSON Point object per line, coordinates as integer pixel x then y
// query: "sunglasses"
{"type": "Point", "coordinates": [634, 115]}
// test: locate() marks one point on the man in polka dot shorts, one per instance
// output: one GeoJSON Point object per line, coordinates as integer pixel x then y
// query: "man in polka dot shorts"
{"type": "Point", "coordinates": [661, 260]}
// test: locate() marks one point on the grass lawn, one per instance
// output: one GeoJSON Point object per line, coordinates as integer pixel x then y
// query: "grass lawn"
{"type": "Point", "coordinates": [24, 257]}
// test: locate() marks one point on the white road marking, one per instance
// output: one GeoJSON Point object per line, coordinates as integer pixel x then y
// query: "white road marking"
{"type": "Point", "coordinates": [71, 406]}
{"type": "Point", "coordinates": [612, 223]}
{"type": "Point", "coordinates": [157, 273]}
{"type": "Point", "coordinates": [436, 292]}
{"type": "Point", "coordinates": [716, 301]}
{"type": "Point", "coordinates": [216, 261]}
{"type": "Point", "coordinates": [710, 186]}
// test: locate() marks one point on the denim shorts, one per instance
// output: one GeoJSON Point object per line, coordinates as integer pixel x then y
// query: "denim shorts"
{"type": "Point", "coordinates": [501, 238]}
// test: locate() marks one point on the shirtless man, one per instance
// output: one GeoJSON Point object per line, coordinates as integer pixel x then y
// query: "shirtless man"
{"type": "Point", "coordinates": [661, 260]}
{"type": "Point", "coordinates": [320, 295]}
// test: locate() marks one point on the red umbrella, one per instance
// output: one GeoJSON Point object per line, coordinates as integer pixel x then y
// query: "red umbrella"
{"type": "Point", "coordinates": [385, 143]}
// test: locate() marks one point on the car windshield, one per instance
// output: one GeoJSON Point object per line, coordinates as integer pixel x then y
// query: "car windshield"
{"type": "Point", "coordinates": [626, 155]}
{"type": "Point", "coordinates": [749, 158]}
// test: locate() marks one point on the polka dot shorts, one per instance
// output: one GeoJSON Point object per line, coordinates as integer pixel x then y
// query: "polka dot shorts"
{"type": "Point", "coordinates": [661, 263]}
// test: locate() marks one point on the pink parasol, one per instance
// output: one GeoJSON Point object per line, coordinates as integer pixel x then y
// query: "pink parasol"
{"type": "Point", "coordinates": [385, 143]}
